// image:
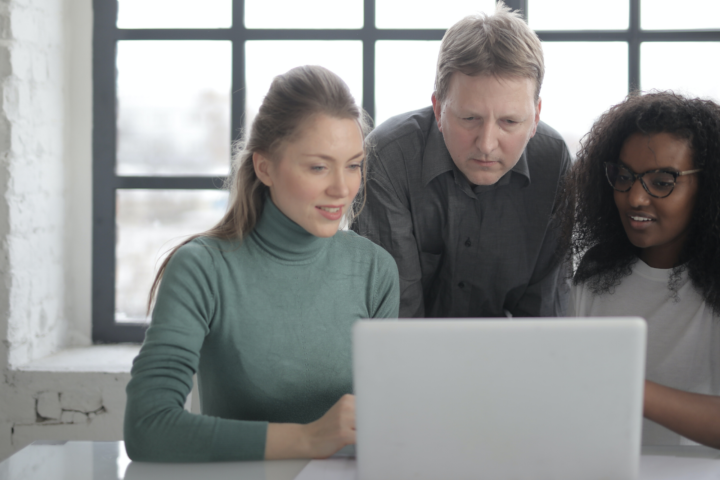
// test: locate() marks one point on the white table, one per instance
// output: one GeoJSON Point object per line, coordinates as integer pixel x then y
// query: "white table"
{"type": "Point", "coordinates": [107, 461]}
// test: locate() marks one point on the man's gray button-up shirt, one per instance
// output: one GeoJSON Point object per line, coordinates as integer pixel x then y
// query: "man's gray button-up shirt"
{"type": "Point", "coordinates": [464, 250]}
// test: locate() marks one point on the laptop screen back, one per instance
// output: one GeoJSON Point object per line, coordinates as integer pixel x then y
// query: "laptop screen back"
{"type": "Point", "coordinates": [501, 399]}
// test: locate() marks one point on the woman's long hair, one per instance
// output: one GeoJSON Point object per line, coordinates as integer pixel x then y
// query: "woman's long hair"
{"type": "Point", "coordinates": [590, 223]}
{"type": "Point", "coordinates": [292, 100]}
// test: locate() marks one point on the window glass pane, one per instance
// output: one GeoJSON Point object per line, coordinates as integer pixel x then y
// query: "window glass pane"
{"type": "Point", "coordinates": [693, 68]}
{"type": "Point", "coordinates": [426, 13]}
{"type": "Point", "coordinates": [578, 15]}
{"type": "Point", "coordinates": [575, 93]}
{"type": "Point", "coordinates": [173, 107]}
{"type": "Point", "coordinates": [679, 15]}
{"type": "Point", "coordinates": [267, 59]}
{"type": "Point", "coordinates": [149, 224]}
{"type": "Point", "coordinates": [304, 14]}
{"type": "Point", "coordinates": [174, 14]}
{"type": "Point", "coordinates": [404, 76]}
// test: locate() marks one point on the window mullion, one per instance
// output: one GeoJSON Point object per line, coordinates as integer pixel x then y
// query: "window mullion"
{"type": "Point", "coordinates": [237, 96]}
{"type": "Point", "coordinates": [369, 37]}
{"type": "Point", "coordinates": [634, 47]}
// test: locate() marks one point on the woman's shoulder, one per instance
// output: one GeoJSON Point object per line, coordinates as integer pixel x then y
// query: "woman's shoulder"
{"type": "Point", "coordinates": [377, 267]}
{"type": "Point", "coordinates": [362, 254]}
{"type": "Point", "coordinates": [360, 246]}
{"type": "Point", "coordinates": [203, 249]}
{"type": "Point", "coordinates": [605, 266]}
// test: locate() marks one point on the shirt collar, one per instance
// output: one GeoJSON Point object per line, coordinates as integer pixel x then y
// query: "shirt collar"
{"type": "Point", "coordinates": [437, 160]}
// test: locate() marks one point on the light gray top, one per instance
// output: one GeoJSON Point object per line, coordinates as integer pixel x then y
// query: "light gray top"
{"type": "Point", "coordinates": [683, 347]}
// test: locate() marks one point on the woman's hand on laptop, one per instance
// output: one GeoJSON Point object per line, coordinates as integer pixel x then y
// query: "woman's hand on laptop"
{"type": "Point", "coordinates": [319, 439]}
{"type": "Point", "coordinates": [334, 430]}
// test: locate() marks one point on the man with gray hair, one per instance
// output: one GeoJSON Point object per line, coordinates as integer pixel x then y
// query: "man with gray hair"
{"type": "Point", "coordinates": [462, 193]}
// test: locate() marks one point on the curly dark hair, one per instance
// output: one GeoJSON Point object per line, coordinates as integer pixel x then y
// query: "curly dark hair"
{"type": "Point", "coordinates": [591, 228]}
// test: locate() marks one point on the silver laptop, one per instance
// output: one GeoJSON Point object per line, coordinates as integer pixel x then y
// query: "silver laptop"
{"type": "Point", "coordinates": [499, 399]}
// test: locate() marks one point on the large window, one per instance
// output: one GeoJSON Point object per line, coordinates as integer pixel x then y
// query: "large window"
{"type": "Point", "coordinates": [176, 81]}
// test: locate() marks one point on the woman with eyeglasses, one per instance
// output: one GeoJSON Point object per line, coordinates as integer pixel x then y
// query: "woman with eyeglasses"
{"type": "Point", "coordinates": [642, 215]}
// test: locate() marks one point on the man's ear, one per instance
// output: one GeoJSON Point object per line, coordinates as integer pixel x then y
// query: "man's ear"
{"type": "Point", "coordinates": [437, 108]}
{"type": "Point", "coordinates": [536, 120]}
{"type": "Point", "coordinates": [262, 168]}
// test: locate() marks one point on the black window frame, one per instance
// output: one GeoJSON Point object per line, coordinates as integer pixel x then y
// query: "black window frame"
{"type": "Point", "coordinates": [105, 181]}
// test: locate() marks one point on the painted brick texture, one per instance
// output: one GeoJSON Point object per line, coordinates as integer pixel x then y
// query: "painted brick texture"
{"type": "Point", "coordinates": [31, 178]}
{"type": "Point", "coordinates": [33, 127]}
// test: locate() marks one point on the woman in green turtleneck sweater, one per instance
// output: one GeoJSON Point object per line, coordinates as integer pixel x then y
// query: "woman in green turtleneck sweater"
{"type": "Point", "coordinates": [261, 306]}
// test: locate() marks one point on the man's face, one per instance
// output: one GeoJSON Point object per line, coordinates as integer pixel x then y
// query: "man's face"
{"type": "Point", "coordinates": [486, 122]}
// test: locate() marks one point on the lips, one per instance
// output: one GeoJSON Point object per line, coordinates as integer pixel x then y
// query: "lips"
{"type": "Point", "coordinates": [331, 212]}
{"type": "Point", "coordinates": [640, 221]}
{"type": "Point", "coordinates": [484, 163]}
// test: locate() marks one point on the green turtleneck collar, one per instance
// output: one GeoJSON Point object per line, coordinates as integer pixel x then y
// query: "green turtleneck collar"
{"type": "Point", "coordinates": [284, 239]}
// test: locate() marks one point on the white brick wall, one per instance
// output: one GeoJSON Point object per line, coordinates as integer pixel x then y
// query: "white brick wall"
{"type": "Point", "coordinates": [31, 191]}
{"type": "Point", "coordinates": [45, 228]}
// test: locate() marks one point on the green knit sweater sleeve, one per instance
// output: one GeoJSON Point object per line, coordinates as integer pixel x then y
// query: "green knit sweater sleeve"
{"type": "Point", "coordinates": [157, 428]}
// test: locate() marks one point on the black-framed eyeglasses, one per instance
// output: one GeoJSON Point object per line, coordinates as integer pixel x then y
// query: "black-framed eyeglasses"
{"type": "Point", "coordinates": [657, 183]}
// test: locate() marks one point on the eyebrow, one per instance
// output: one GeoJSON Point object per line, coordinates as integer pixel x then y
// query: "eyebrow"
{"type": "Point", "coordinates": [331, 159]}
{"type": "Point", "coordinates": [662, 169]}
{"type": "Point", "coordinates": [514, 116]}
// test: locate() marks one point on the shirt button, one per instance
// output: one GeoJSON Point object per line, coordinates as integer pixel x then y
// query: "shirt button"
{"type": "Point", "coordinates": [461, 284]}
{"type": "Point", "coordinates": [468, 242]}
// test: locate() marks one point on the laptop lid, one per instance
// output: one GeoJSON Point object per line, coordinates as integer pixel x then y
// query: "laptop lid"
{"type": "Point", "coordinates": [499, 399]}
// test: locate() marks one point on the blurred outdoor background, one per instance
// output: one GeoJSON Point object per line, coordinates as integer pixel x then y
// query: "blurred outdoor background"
{"type": "Point", "coordinates": [174, 95]}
